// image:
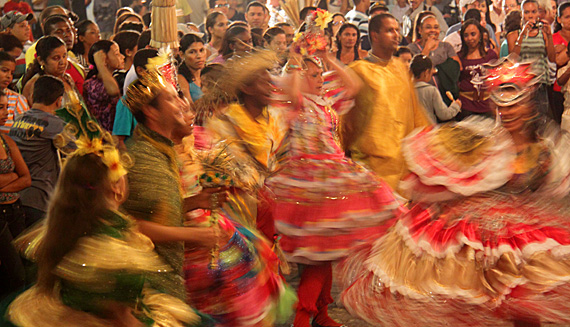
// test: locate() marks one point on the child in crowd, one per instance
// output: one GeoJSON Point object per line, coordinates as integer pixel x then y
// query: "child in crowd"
{"type": "Point", "coordinates": [429, 96]}
{"type": "Point", "coordinates": [17, 104]}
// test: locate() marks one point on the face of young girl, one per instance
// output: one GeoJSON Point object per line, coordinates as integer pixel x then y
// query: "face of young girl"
{"type": "Point", "coordinates": [115, 60]}
{"type": "Point", "coordinates": [472, 36]}
{"type": "Point", "coordinates": [195, 56]}
{"type": "Point", "coordinates": [530, 13]}
{"type": "Point", "coordinates": [313, 79]}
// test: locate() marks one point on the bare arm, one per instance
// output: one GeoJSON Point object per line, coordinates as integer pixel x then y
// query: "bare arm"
{"type": "Point", "coordinates": [547, 33]}
{"type": "Point", "coordinates": [352, 83]}
{"type": "Point", "coordinates": [24, 179]}
{"type": "Point", "coordinates": [201, 236]}
{"type": "Point", "coordinates": [563, 78]}
{"type": "Point", "coordinates": [514, 42]}
{"type": "Point", "coordinates": [185, 87]}
{"type": "Point", "coordinates": [105, 74]}
{"type": "Point", "coordinates": [561, 55]}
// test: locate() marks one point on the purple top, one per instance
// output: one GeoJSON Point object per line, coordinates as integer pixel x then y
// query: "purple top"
{"type": "Point", "coordinates": [100, 104]}
{"type": "Point", "coordinates": [471, 92]}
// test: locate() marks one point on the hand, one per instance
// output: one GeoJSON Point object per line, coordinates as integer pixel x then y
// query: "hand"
{"type": "Point", "coordinates": [324, 55]}
{"type": "Point", "coordinates": [431, 45]}
{"type": "Point", "coordinates": [209, 198]}
{"type": "Point", "coordinates": [458, 102]}
{"type": "Point", "coordinates": [546, 28]}
{"type": "Point", "coordinates": [100, 58]}
{"type": "Point", "coordinates": [526, 29]}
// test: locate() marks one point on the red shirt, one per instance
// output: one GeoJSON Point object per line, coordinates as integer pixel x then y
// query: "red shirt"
{"type": "Point", "coordinates": [21, 6]}
{"type": "Point", "coordinates": [558, 39]}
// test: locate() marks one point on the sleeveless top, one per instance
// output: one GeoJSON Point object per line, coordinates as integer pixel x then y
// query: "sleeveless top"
{"type": "Point", "coordinates": [533, 47]}
{"type": "Point", "coordinates": [7, 166]}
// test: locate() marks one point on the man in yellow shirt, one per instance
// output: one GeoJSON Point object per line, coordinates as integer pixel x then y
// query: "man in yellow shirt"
{"type": "Point", "coordinates": [387, 108]}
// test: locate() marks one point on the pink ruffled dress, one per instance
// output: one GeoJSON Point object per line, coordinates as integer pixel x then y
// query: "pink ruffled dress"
{"type": "Point", "coordinates": [322, 202]}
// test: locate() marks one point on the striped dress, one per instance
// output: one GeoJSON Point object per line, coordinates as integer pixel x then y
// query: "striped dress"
{"type": "Point", "coordinates": [533, 47]}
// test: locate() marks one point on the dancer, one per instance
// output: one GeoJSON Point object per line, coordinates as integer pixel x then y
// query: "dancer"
{"type": "Point", "coordinates": [238, 284]}
{"type": "Point", "coordinates": [92, 262]}
{"type": "Point", "coordinates": [486, 243]}
{"type": "Point", "coordinates": [324, 203]}
{"type": "Point", "coordinates": [252, 128]}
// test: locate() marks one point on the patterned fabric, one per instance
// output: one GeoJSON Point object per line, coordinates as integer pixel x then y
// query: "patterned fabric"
{"type": "Point", "coordinates": [323, 203]}
{"type": "Point", "coordinates": [533, 47]}
{"type": "Point", "coordinates": [486, 243]}
{"type": "Point", "coordinates": [155, 195]}
{"type": "Point", "coordinates": [88, 280]}
{"type": "Point", "coordinates": [99, 103]}
{"type": "Point", "coordinates": [17, 105]}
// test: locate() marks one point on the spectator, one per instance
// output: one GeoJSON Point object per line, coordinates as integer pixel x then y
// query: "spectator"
{"type": "Point", "coordinates": [455, 38]}
{"type": "Point", "coordinates": [236, 40]}
{"type": "Point", "coordinates": [473, 55]}
{"type": "Point", "coordinates": [497, 15]}
{"type": "Point", "coordinates": [430, 98]}
{"type": "Point", "coordinates": [510, 5]}
{"type": "Point", "coordinates": [452, 13]}
{"type": "Point", "coordinates": [34, 133]}
{"type": "Point", "coordinates": [404, 54]}
{"type": "Point", "coordinates": [336, 23]}
{"type": "Point", "coordinates": [51, 60]}
{"type": "Point", "coordinates": [16, 24]}
{"type": "Point", "coordinates": [560, 40]}
{"type": "Point", "coordinates": [142, 43]}
{"type": "Point", "coordinates": [199, 11]}
{"type": "Point", "coordinates": [256, 15]}
{"type": "Point", "coordinates": [276, 41]}
{"type": "Point", "coordinates": [20, 6]}
{"type": "Point", "coordinates": [131, 26]}
{"type": "Point", "coordinates": [233, 13]}
{"type": "Point", "coordinates": [427, 43]}
{"type": "Point", "coordinates": [61, 27]}
{"type": "Point", "coordinates": [17, 104]}
{"type": "Point", "coordinates": [11, 45]}
{"type": "Point", "coordinates": [348, 44]}
{"type": "Point", "coordinates": [125, 122]}
{"type": "Point", "coordinates": [399, 9]}
{"type": "Point", "coordinates": [101, 90]}
{"type": "Point", "coordinates": [358, 16]}
{"type": "Point", "coordinates": [87, 34]}
{"type": "Point", "coordinates": [126, 17]}
{"type": "Point", "coordinates": [512, 25]}
{"type": "Point", "coordinates": [216, 27]}
{"type": "Point", "coordinates": [465, 5]}
{"type": "Point", "coordinates": [44, 15]}
{"type": "Point", "coordinates": [14, 177]}
{"type": "Point", "coordinates": [418, 6]}
{"type": "Point", "coordinates": [535, 42]}
{"type": "Point", "coordinates": [289, 31]}
{"type": "Point", "coordinates": [127, 41]}
{"type": "Point", "coordinates": [193, 56]}
{"type": "Point", "coordinates": [104, 11]}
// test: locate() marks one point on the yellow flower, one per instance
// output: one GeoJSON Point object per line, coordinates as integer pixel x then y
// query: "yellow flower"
{"type": "Point", "coordinates": [112, 159]}
{"type": "Point", "coordinates": [86, 145]}
{"type": "Point", "coordinates": [304, 51]}
{"type": "Point", "coordinates": [297, 37]}
{"type": "Point", "coordinates": [323, 18]}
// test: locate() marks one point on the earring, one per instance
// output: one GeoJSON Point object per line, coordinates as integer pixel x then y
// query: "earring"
{"type": "Point", "coordinates": [42, 67]}
{"type": "Point", "coordinates": [121, 197]}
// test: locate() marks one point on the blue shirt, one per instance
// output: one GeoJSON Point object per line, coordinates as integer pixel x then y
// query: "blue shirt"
{"type": "Point", "coordinates": [125, 122]}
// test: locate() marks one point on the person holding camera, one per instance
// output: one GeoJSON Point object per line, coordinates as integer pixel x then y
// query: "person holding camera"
{"type": "Point", "coordinates": [534, 42]}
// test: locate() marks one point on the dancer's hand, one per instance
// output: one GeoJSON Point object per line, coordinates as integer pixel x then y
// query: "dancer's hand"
{"type": "Point", "coordinates": [209, 198]}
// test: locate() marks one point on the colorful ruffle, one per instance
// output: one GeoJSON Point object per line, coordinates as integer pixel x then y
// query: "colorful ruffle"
{"type": "Point", "coordinates": [245, 289]}
{"type": "Point", "coordinates": [480, 261]}
{"type": "Point", "coordinates": [325, 206]}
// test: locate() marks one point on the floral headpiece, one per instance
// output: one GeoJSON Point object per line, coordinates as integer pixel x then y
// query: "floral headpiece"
{"type": "Point", "coordinates": [509, 81]}
{"type": "Point", "coordinates": [313, 38]}
{"type": "Point", "coordinates": [88, 137]}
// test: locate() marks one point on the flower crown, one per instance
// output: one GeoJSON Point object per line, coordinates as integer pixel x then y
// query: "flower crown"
{"type": "Point", "coordinates": [313, 38]}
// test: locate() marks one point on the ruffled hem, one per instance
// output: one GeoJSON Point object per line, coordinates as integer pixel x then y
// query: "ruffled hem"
{"type": "Point", "coordinates": [435, 156]}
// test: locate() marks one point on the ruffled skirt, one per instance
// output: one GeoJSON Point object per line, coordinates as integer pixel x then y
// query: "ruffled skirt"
{"type": "Point", "coordinates": [480, 261]}
{"type": "Point", "coordinates": [324, 207]}
{"type": "Point", "coordinates": [245, 288]}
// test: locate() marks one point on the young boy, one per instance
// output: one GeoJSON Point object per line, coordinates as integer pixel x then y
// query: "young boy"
{"type": "Point", "coordinates": [34, 133]}
{"type": "Point", "coordinates": [17, 24]}
{"type": "Point", "coordinates": [422, 69]}
{"type": "Point", "coordinates": [17, 104]}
